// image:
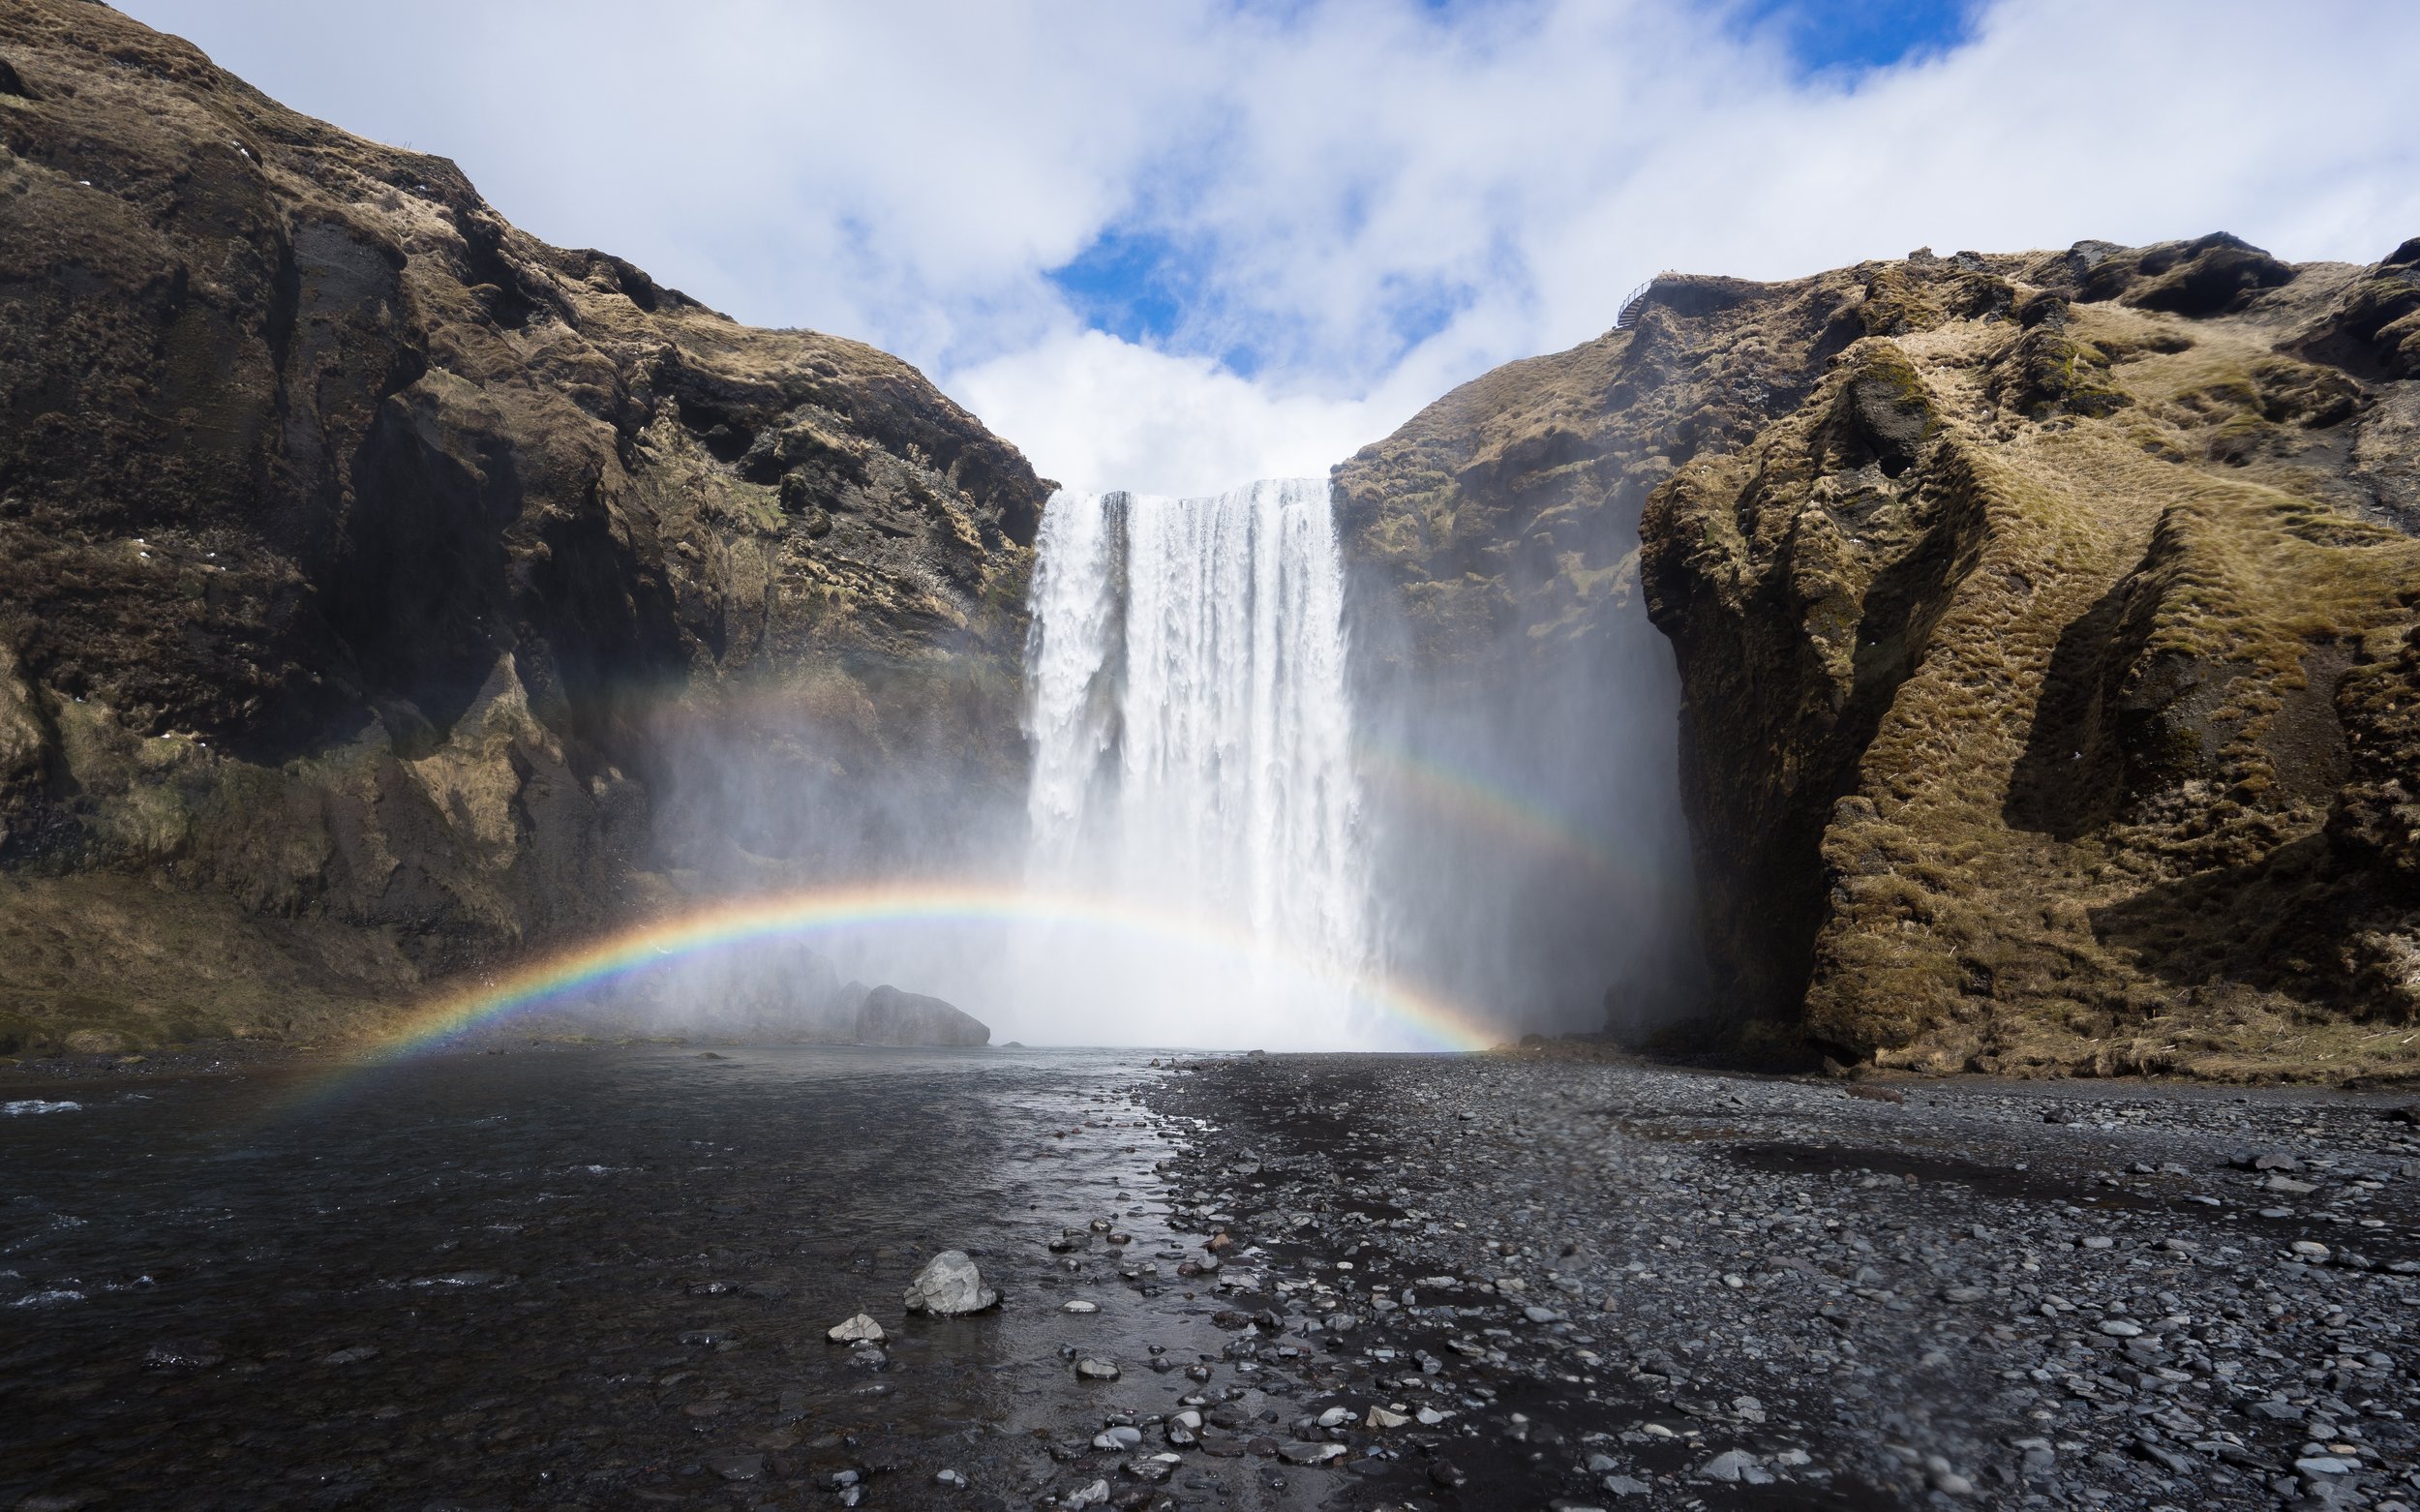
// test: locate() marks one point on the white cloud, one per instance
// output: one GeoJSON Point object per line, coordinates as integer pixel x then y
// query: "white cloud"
{"type": "Point", "coordinates": [1098, 413]}
{"type": "Point", "coordinates": [1377, 200]}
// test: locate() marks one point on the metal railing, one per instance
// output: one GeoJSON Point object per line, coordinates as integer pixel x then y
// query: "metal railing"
{"type": "Point", "coordinates": [1634, 303]}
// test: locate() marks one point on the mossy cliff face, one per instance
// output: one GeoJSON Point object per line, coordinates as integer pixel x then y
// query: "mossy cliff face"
{"type": "Point", "coordinates": [2027, 661]}
{"type": "Point", "coordinates": [2044, 627]}
{"type": "Point", "coordinates": [364, 562]}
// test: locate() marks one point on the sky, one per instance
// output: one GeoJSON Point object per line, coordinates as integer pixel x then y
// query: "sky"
{"type": "Point", "coordinates": [1178, 245]}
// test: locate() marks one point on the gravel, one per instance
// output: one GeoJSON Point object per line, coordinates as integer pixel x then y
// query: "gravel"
{"type": "Point", "coordinates": [1531, 1282]}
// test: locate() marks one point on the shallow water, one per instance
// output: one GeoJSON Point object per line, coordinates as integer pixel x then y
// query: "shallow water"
{"type": "Point", "coordinates": [558, 1276]}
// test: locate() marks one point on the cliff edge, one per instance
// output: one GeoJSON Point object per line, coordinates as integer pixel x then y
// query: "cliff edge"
{"type": "Point", "coordinates": [2045, 628]}
{"type": "Point", "coordinates": [366, 565]}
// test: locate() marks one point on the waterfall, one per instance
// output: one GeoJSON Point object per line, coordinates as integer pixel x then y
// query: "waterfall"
{"type": "Point", "coordinates": [1193, 755]}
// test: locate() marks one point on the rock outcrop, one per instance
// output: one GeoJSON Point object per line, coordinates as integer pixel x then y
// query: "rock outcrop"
{"type": "Point", "coordinates": [2045, 626]}
{"type": "Point", "coordinates": [369, 570]}
{"type": "Point", "coordinates": [890, 1016]}
{"type": "Point", "coordinates": [1517, 701]}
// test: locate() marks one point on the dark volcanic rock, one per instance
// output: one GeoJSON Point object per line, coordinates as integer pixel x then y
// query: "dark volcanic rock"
{"type": "Point", "coordinates": [366, 565]}
{"type": "Point", "coordinates": [1580, 1280]}
{"type": "Point", "coordinates": [890, 1016]}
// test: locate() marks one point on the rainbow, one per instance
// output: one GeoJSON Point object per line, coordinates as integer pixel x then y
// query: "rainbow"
{"type": "Point", "coordinates": [1481, 805]}
{"type": "Point", "coordinates": [1429, 1021]}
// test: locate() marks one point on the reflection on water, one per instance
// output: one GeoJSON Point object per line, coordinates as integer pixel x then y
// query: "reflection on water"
{"type": "Point", "coordinates": [557, 1276]}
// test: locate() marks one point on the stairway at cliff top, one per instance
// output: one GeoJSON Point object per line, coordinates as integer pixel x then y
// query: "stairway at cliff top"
{"type": "Point", "coordinates": [1193, 759]}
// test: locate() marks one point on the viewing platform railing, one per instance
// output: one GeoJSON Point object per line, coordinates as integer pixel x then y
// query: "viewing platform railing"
{"type": "Point", "coordinates": [1634, 303]}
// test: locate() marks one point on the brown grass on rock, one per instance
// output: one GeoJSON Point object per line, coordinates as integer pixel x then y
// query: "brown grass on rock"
{"type": "Point", "coordinates": [2043, 623]}
{"type": "Point", "coordinates": [360, 555]}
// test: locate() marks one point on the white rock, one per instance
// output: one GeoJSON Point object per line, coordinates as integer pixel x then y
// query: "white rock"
{"type": "Point", "coordinates": [1380, 1417]}
{"type": "Point", "coordinates": [860, 1329]}
{"type": "Point", "coordinates": [949, 1286]}
{"type": "Point", "coordinates": [1734, 1465]}
{"type": "Point", "coordinates": [1079, 1304]}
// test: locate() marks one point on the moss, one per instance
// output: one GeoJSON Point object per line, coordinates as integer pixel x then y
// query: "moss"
{"type": "Point", "coordinates": [2047, 372]}
{"type": "Point", "coordinates": [2080, 766]}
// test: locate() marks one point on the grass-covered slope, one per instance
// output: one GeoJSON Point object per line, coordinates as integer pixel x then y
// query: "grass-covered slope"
{"type": "Point", "coordinates": [2044, 629]}
{"type": "Point", "coordinates": [365, 563]}
{"type": "Point", "coordinates": [2031, 659]}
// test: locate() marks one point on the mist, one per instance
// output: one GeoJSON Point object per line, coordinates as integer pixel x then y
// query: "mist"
{"type": "Point", "coordinates": [1523, 802]}
{"type": "Point", "coordinates": [1225, 804]}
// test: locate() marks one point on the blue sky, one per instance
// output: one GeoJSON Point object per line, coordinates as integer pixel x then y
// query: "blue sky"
{"type": "Point", "coordinates": [1858, 34]}
{"type": "Point", "coordinates": [1177, 245]}
{"type": "Point", "coordinates": [1141, 285]}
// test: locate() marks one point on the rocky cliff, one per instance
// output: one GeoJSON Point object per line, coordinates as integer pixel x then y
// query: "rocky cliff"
{"type": "Point", "coordinates": [1534, 860]}
{"type": "Point", "coordinates": [367, 566]}
{"type": "Point", "coordinates": [2046, 631]}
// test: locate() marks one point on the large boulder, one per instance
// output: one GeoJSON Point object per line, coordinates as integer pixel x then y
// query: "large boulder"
{"type": "Point", "coordinates": [890, 1016]}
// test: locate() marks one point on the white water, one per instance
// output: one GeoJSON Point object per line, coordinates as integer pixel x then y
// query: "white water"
{"type": "Point", "coordinates": [1193, 759]}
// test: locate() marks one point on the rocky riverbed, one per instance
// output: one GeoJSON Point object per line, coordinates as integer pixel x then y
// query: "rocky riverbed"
{"type": "Point", "coordinates": [1516, 1282]}
{"type": "Point", "coordinates": [659, 1276]}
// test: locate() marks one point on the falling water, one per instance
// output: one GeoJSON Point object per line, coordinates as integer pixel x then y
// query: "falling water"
{"type": "Point", "coordinates": [1192, 753]}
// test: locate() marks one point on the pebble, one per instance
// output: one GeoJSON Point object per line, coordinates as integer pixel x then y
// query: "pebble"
{"type": "Point", "coordinates": [1735, 1466]}
{"type": "Point", "coordinates": [2094, 1334]}
{"type": "Point", "coordinates": [737, 1467]}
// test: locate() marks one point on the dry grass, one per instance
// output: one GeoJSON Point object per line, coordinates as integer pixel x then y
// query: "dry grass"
{"type": "Point", "coordinates": [2129, 522]}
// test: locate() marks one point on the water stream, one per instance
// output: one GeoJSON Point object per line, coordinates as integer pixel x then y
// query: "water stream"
{"type": "Point", "coordinates": [579, 1277]}
{"type": "Point", "coordinates": [1193, 757]}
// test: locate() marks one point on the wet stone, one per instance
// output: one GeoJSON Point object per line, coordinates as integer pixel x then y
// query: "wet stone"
{"type": "Point", "coordinates": [854, 1330]}
{"type": "Point", "coordinates": [949, 1286]}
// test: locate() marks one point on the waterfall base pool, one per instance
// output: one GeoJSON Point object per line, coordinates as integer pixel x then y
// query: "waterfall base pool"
{"type": "Point", "coordinates": [588, 1277]}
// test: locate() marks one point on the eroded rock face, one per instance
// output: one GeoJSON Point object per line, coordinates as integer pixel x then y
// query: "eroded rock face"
{"type": "Point", "coordinates": [2055, 716]}
{"type": "Point", "coordinates": [367, 567]}
{"type": "Point", "coordinates": [2042, 628]}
